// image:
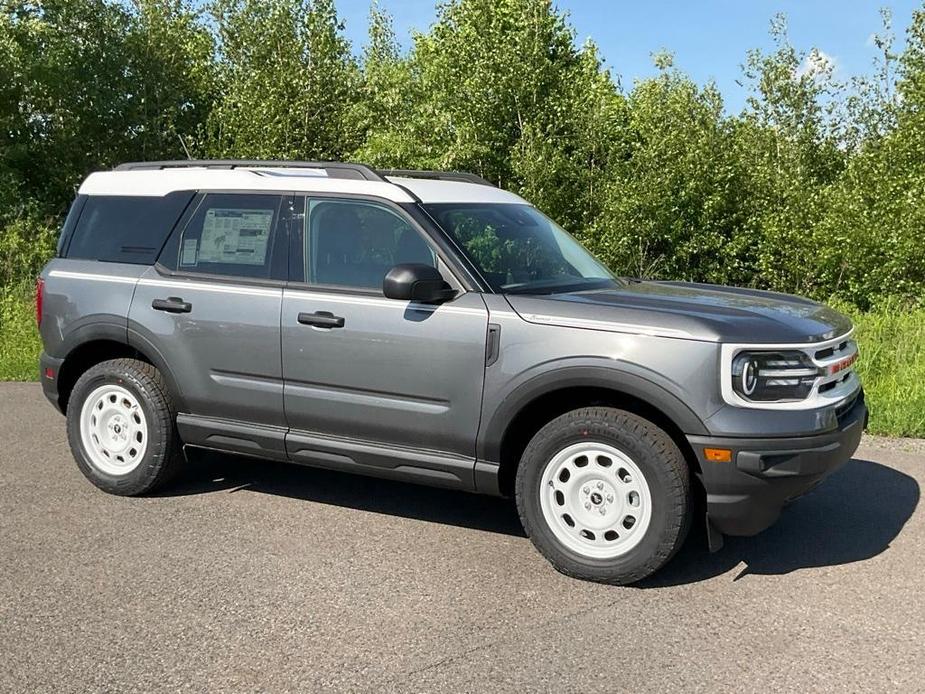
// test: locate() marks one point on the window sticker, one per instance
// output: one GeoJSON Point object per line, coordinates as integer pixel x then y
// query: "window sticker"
{"type": "Point", "coordinates": [188, 257]}
{"type": "Point", "coordinates": [235, 236]}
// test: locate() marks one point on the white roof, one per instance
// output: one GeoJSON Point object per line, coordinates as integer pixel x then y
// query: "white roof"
{"type": "Point", "coordinates": [158, 182]}
{"type": "Point", "coordinates": [431, 190]}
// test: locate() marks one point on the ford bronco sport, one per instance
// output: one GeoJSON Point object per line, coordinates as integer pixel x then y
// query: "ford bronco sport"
{"type": "Point", "coordinates": [427, 326]}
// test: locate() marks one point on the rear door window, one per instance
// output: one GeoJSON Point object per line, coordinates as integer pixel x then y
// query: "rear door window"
{"type": "Point", "coordinates": [229, 234]}
{"type": "Point", "coordinates": [126, 228]}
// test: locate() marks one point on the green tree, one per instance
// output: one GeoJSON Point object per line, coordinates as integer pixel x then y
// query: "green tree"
{"type": "Point", "coordinates": [172, 73]}
{"type": "Point", "coordinates": [60, 124]}
{"type": "Point", "coordinates": [789, 151]}
{"type": "Point", "coordinates": [387, 91]}
{"type": "Point", "coordinates": [288, 82]}
{"type": "Point", "coordinates": [815, 188]}
{"type": "Point", "coordinates": [91, 83]}
{"type": "Point", "coordinates": [871, 104]}
{"type": "Point", "coordinates": [563, 154]}
{"type": "Point", "coordinates": [671, 192]}
{"type": "Point", "coordinates": [877, 210]}
{"type": "Point", "coordinates": [498, 88]}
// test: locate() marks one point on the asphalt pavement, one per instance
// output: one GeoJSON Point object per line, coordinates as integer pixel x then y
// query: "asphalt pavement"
{"type": "Point", "coordinates": [259, 576]}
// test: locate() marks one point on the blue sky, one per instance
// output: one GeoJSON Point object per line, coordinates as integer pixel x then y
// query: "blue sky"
{"type": "Point", "coordinates": [709, 38]}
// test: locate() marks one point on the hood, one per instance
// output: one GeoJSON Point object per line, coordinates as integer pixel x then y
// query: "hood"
{"type": "Point", "coordinates": [689, 311]}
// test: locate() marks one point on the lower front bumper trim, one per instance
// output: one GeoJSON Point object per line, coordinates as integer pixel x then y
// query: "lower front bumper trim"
{"type": "Point", "coordinates": [746, 496]}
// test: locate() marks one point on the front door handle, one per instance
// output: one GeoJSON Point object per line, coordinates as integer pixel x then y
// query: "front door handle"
{"type": "Point", "coordinates": [172, 304]}
{"type": "Point", "coordinates": [321, 319]}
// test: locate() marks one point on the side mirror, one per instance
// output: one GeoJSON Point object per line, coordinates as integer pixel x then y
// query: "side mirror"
{"type": "Point", "coordinates": [416, 282]}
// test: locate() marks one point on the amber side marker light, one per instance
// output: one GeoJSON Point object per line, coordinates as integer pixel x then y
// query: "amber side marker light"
{"type": "Point", "coordinates": [718, 455]}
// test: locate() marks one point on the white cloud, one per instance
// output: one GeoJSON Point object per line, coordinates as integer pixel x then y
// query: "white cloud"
{"type": "Point", "coordinates": [816, 64]}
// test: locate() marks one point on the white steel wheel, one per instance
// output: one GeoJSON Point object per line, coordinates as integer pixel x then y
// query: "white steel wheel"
{"type": "Point", "coordinates": [595, 500]}
{"type": "Point", "coordinates": [113, 430]}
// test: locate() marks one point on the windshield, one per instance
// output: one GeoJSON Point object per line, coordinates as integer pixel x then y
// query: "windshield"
{"type": "Point", "coordinates": [520, 250]}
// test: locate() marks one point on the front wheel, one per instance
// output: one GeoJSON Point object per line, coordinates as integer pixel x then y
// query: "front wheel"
{"type": "Point", "coordinates": [604, 495]}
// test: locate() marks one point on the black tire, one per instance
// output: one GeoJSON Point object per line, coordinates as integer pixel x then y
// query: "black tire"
{"type": "Point", "coordinates": [164, 453]}
{"type": "Point", "coordinates": [655, 454]}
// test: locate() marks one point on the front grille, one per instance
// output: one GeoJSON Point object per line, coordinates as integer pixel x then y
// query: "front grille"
{"type": "Point", "coordinates": [828, 352]}
{"type": "Point", "coordinates": [837, 381]}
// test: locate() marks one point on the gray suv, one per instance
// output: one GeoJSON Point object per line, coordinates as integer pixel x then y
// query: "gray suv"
{"type": "Point", "coordinates": [427, 326]}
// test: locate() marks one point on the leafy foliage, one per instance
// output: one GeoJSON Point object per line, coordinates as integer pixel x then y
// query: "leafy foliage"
{"type": "Point", "coordinates": [671, 191]}
{"type": "Point", "coordinates": [816, 187]}
{"type": "Point", "coordinates": [287, 79]}
{"type": "Point", "coordinates": [90, 83]}
{"type": "Point", "coordinates": [892, 366]}
{"type": "Point", "coordinates": [26, 243]}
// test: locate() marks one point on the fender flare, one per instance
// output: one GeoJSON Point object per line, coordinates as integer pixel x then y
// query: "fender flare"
{"type": "Point", "coordinates": [118, 332]}
{"type": "Point", "coordinates": [110, 330]}
{"type": "Point", "coordinates": [609, 377]}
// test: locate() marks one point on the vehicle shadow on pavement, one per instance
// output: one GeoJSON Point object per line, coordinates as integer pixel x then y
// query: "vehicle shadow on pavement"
{"type": "Point", "coordinates": [209, 471]}
{"type": "Point", "coordinates": [852, 516]}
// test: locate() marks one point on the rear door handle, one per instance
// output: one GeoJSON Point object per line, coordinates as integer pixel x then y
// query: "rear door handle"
{"type": "Point", "coordinates": [172, 304]}
{"type": "Point", "coordinates": [321, 319]}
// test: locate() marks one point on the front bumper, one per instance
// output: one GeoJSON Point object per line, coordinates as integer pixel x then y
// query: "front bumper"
{"type": "Point", "coordinates": [746, 496]}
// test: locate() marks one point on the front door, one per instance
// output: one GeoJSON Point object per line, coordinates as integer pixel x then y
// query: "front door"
{"type": "Point", "coordinates": [372, 381]}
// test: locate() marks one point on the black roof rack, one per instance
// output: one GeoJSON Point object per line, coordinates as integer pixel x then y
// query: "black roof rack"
{"type": "Point", "coordinates": [438, 175]}
{"type": "Point", "coordinates": [334, 169]}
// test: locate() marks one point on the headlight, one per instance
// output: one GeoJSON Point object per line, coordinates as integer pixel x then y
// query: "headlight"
{"type": "Point", "coordinates": [773, 376]}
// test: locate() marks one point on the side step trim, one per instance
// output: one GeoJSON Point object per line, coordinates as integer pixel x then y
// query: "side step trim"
{"type": "Point", "coordinates": [424, 467]}
{"type": "Point", "coordinates": [261, 440]}
{"type": "Point", "coordinates": [432, 468]}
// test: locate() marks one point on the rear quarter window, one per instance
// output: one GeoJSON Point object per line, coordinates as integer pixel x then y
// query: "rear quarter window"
{"type": "Point", "coordinates": [67, 229]}
{"type": "Point", "coordinates": [126, 228]}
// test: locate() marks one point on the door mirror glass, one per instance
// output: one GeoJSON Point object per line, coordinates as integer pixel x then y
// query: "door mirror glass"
{"type": "Point", "coordinates": [416, 282]}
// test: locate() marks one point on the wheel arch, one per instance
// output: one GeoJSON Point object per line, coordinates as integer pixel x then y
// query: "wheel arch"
{"type": "Point", "coordinates": [545, 397]}
{"type": "Point", "coordinates": [96, 344]}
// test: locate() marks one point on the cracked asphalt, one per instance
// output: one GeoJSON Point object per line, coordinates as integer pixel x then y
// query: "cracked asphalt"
{"type": "Point", "coordinates": [249, 575]}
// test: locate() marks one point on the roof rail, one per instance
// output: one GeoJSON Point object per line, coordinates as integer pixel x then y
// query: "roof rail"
{"type": "Point", "coordinates": [334, 169]}
{"type": "Point", "coordinates": [438, 175]}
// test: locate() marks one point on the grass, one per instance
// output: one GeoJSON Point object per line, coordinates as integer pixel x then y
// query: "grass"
{"type": "Point", "coordinates": [19, 338]}
{"type": "Point", "coordinates": [892, 364]}
{"type": "Point", "coordinates": [892, 369]}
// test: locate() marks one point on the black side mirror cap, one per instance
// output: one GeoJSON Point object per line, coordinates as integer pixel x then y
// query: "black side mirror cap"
{"type": "Point", "coordinates": [416, 282]}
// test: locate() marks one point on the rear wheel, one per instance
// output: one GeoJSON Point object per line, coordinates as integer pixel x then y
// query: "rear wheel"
{"type": "Point", "coordinates": [121, 427]}
{"type": "Point", "coordinates": [604, 495]}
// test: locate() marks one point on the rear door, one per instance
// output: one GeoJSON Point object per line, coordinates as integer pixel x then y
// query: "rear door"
{"type": "Point", "coordinates": [211, 309]}
{"type": "Point", "coordinates": [367, 374]}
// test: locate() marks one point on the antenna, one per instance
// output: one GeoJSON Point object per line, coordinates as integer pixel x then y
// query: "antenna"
{"type": "Point", "coordinates": [183, 145]}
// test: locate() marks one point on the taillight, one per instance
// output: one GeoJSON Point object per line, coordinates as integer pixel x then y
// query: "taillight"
{"type": "Point", "coordinates": [39, 299]}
